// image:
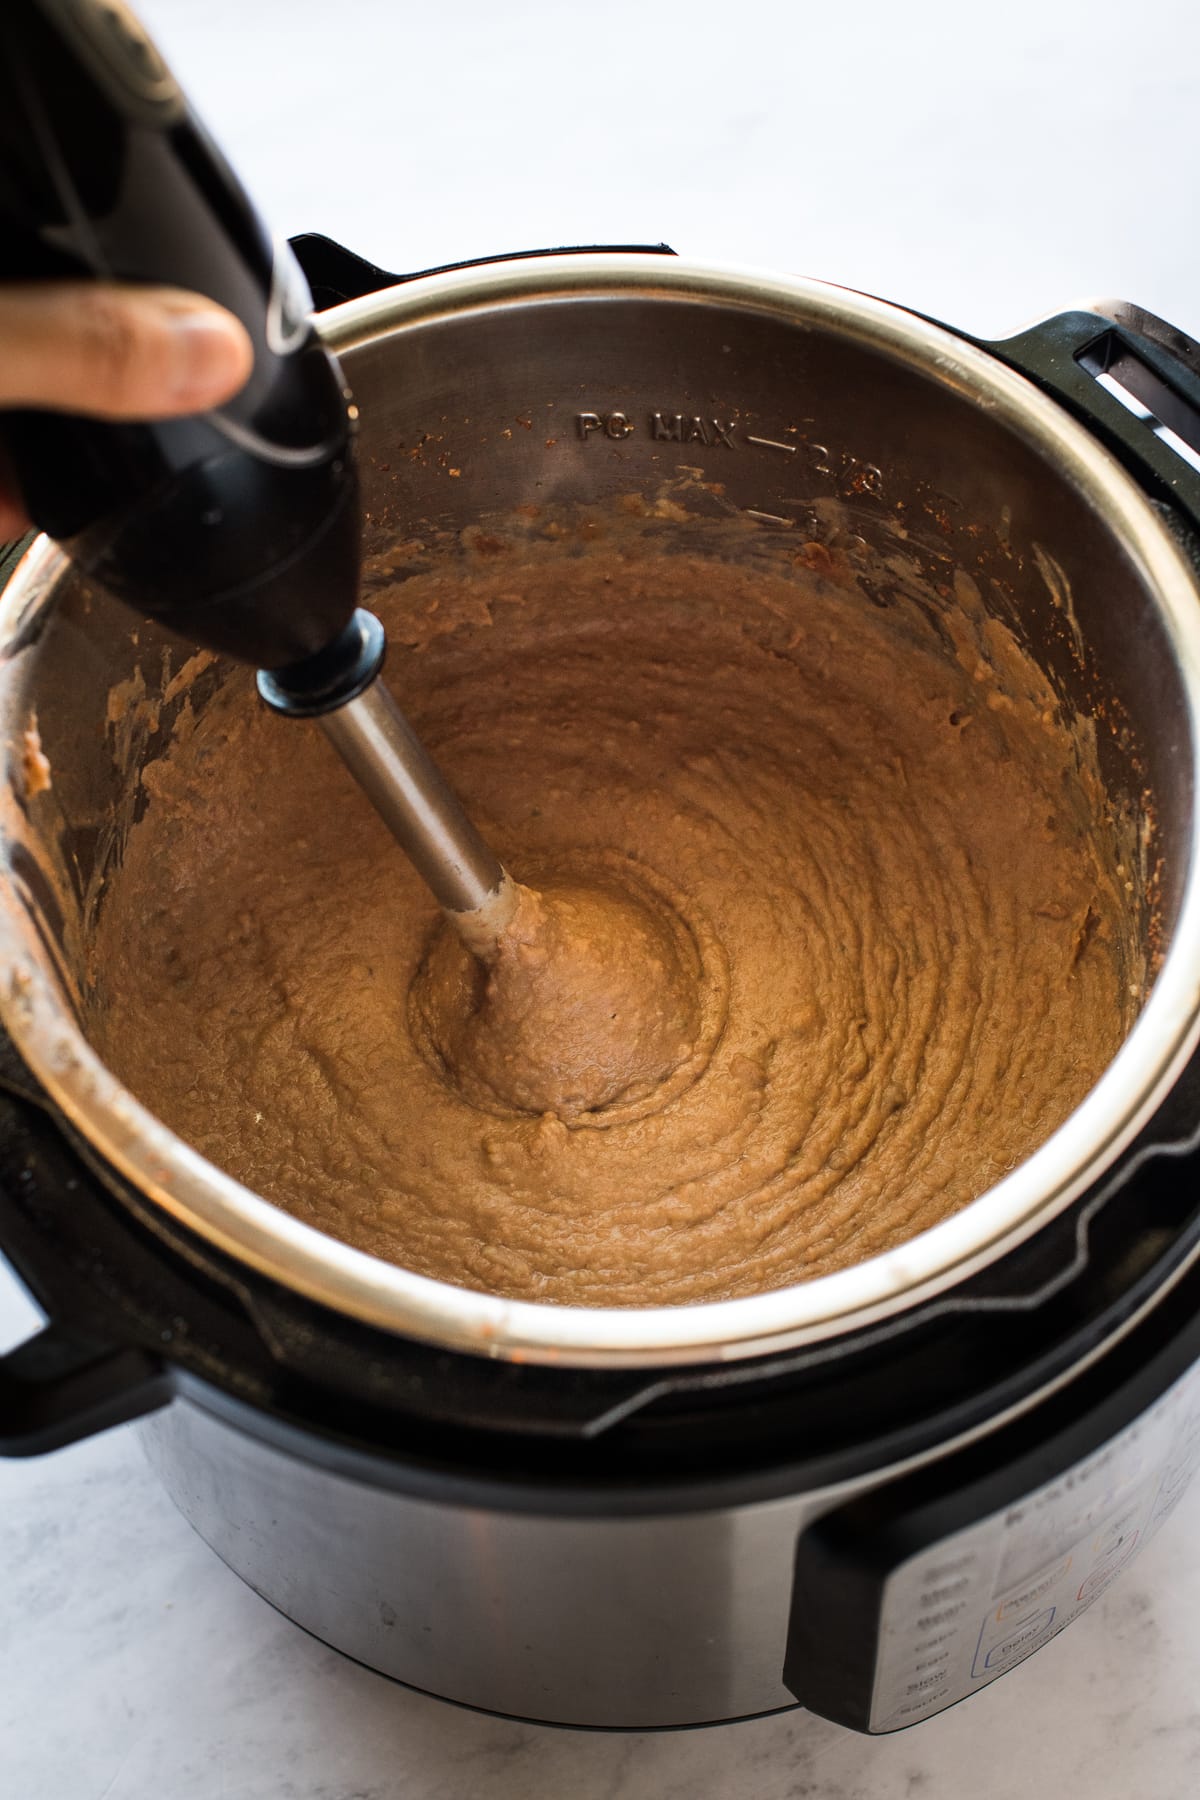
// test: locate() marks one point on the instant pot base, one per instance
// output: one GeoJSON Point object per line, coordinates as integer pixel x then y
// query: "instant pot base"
{"type": "Point", "coordinates": [646, 1519]}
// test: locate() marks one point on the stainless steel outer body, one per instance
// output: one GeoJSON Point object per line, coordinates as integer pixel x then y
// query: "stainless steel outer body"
{"type": "Point", "coordinates": [679, 1619]}
{"type": "Point", "coordinates": [384, 754]}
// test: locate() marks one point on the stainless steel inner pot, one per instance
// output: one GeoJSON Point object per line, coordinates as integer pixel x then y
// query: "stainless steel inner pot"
{"type": "Point", "coordinates": [573, 379]}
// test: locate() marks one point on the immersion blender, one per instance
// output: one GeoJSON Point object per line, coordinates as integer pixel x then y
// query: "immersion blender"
{"type": "Point", "coordinates": [238, 528]}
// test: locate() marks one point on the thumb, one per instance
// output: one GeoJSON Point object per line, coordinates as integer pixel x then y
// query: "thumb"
{"type": "Point", "coordinates": [117, 350]}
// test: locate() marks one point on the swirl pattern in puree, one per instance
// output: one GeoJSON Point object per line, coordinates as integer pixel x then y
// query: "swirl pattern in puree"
{"type": "Point", "coordinates": [870, 863]}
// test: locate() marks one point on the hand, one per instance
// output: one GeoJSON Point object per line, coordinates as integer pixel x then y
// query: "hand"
{"type": "Point", "coordinates": [115, 351]}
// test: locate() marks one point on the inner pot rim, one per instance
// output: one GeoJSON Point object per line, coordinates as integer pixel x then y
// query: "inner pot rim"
{"type": "Point", "coordinates": [255, 1231]}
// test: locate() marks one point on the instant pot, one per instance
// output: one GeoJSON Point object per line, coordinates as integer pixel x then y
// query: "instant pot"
{"type": "Point", "coordinates": [869, 1494]}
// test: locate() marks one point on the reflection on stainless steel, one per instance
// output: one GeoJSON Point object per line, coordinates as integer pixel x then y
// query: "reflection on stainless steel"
{"type": "Point", "coordinates": [409, 791]}
{"type": "Point", "coordinates": [29, 596]}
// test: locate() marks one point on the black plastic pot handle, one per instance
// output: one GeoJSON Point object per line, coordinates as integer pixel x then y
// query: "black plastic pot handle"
{"type": "Point", "coordinates": [68, 1380]}
{"type": "Point", "coordinates": [335, 274]}
{"type": "Point", "coordinates": [1156, 366]}
{"type": "Point", "coordinates": [59, 1386]}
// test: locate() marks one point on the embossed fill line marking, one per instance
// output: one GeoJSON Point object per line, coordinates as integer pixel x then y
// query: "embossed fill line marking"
{"type": "Point", "coordinates": [771, 444]}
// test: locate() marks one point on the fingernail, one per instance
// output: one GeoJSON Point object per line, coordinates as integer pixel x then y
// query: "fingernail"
{"type": "Point", "coordinates": [208, 358]}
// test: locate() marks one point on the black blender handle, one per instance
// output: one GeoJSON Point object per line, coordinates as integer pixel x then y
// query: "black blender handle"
{"type": "Point", "coordinates": [335, 274]}
{"type": "Point", "coordinates": [238, 528]}
{"type": "Point", "coordinates": [1154, 365]}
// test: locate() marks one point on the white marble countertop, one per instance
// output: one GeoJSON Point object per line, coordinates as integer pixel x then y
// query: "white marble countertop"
{"type": "Point", "coordinates": [985, 165]}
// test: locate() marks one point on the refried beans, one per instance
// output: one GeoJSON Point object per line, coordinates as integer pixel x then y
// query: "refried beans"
{"type": "Point", "coordinates": [822, 932]}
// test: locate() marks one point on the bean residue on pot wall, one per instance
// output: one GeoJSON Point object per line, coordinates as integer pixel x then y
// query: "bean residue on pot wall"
{"type": "Point", "coordinates": [870, 867]}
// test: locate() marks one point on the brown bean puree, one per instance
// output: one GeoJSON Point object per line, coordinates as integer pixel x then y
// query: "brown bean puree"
{"type": "Point", "coordinates": [823, 933]}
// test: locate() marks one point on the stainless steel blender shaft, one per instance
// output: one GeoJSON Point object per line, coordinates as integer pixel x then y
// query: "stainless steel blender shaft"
{"type": "Point", "coordinates": [340, 688]}
{"type": "Point", "coordinates": [409, 791]}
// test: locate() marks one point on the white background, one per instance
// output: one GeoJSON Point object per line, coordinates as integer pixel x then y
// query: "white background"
{"type": "Point", "coordinates": [983, 164]}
